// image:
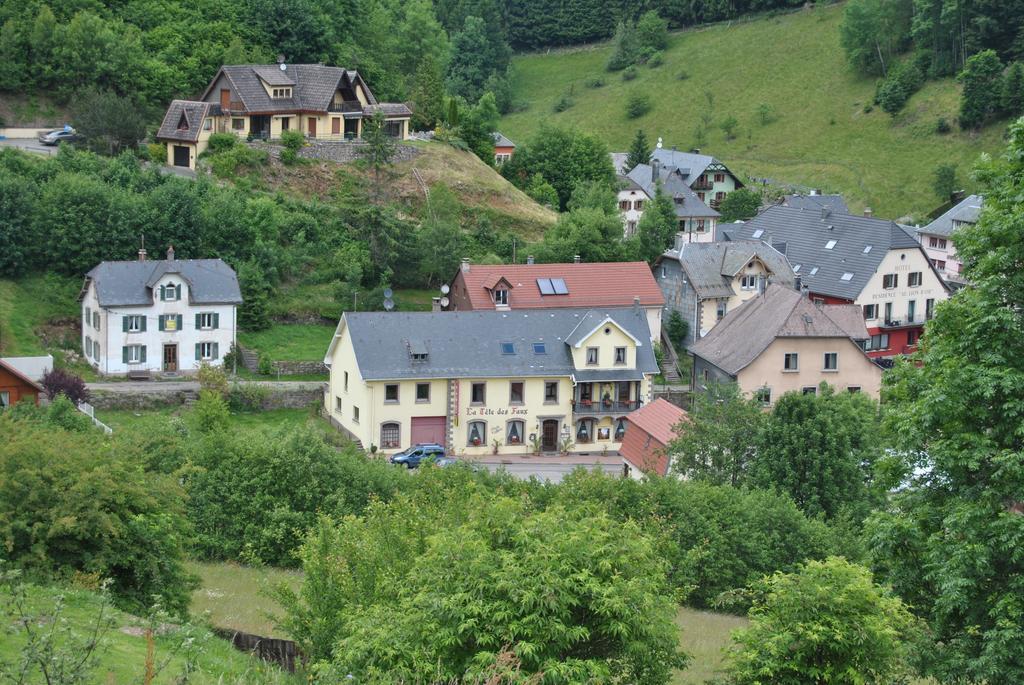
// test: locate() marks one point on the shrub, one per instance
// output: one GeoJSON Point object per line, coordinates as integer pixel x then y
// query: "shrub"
{"type": "Point", "coordinates": [942, 126]}
{"type": "Point", "coordinates": [563, 103]}
{"type": "Point", "coordinates": [221, 142]}
{"type": "Point", "coordinates": [289, 157]}
{"type": "Point", "coordinates": [903, 81]}
{"type": "Point", "coordinates": [729, 126]}
{"type": "Point", "coordinates": [766, 113]}
{"type": "Point", "coordinates": [638, 105]}
{"type": "Point", "coordinates": [240, 157]}
{"type": "Point", "coordinates": [213, 378]}
{"type": "Point", "coordinates": [210, 412]}
{"type": "Point", "coordinates": [292, 139]}
{"type": "Point", "coordinates": [254, 495]}
{"type": "Point", "coordinates": [629, 73]}
{"type": "Point", "coordinates": [594, 82]}
{"type": "Point", "coordinates": [656, 59]}
{"type": "Point", "coordinates": [157, 153]}
{"type": "Point", "coordinates": [248, 396]}
{"type": "Point", "coordinates": [682, 75]}
{"type": "Point", "coordinates": [651, 31]}
{"type": "Point", "coordinates": [63, 382]}
{"type": "Point", "coordinates": [265, 366]}
{"type": "Point", "coordinates": [677, 329]}
{"type": "Point", "coordinates": [79, 502]}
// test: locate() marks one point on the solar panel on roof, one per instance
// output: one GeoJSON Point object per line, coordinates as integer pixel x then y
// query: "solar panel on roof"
{"type": "Point", "coordinates": [545, 286]}
{"type": "Point", "coordinates": [558, 284]}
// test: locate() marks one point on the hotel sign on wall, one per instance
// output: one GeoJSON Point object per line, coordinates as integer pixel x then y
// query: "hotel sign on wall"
{"type": "Point", "coordinates": [498, 411]}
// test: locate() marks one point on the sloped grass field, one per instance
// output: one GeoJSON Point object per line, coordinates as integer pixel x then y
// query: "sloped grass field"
{"type": "Point", "coordinates": [822, 137]}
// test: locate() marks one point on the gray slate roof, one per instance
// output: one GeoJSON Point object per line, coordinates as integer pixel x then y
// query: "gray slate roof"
{"type": "Point", "coordinates": [313, 86]}
{"type": "Point", "coordinates": [194, 113]}
{"type": "Point", "coordinates": [129, 284]}
{"type": "Point", "coordinates": [690, 164]}
{"type": "Point", "coordinates": [500, 140]}
{"type": "Point", "coordinates": [836, 203]}
{"type": "Point", "coordinates": [780, 312]}
{"type": "Point", "coordinates": [675, 186]}
{"type": "Point", "coordinates": [967, 210]}
{"type": "Point", "coordinates": [711, 267]}
{"type": "Point", "coordinates": [467, 344]}
{"type": "Point", "coordinates": [806, 232]}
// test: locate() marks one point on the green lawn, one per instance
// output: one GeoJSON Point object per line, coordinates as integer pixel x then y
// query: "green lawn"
{"type": "Point", "coordinates": [703, 635]}
{"type": "Point", "coordinates": [290, 342]}
{"type": "Point", "coordinates": [29, 307]}
{"type": "Point", "coordinates": [234, 596]}
{"type": "Point", "coordinates": [128, 420]}
{"type": "Point", "coordinates": [822, 137]}
{"type": "Point", "coordinates": [122, 657]}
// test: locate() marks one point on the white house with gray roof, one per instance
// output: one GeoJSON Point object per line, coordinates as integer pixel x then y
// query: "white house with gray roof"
{"type": "Point", "coordinates": [490, 381]}
{"type": "Point", "coordinates": [937, 237]}
{"type": "Point", "coordinates": [164, 316]}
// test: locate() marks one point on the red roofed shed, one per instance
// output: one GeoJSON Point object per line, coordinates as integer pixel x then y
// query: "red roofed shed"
{"type": "Point", "coordinates": [649, 430]}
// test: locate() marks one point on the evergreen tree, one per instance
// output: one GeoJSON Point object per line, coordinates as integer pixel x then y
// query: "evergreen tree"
{"type": "Point", "coordinates": [253, 314]}
{"type": "Point", "coordinates": [639, 151]}
{"type": "Point", "coordinates": [982, 89]}
{"type": "Point", "coordinates": [657, 227]}
{"type": "Point", "coordinates": [1012, 101]}
{"type": "Point", "coordinates": [427, 95]}
{"type": "Point", "coordinates": [378, 150]}
{"type": "Point", "coordinates": [944, 181]}
{"type": "Point", "coordinates": [478, 128]}
{"type": "Point", "coordinates": [478, 51]}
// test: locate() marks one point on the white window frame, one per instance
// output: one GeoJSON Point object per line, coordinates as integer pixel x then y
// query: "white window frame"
{"type": "Point", "coordinates": [206, 321]}
{"type": "Point", "coordinates": [764, 396]}
{"type": "Point", "coordinates": [621, 359]}
{"type": "Point", "coordinates": [501, 297]}
{"type": "Point", "coordinates": [748, 282]}
{"type": "Point", "coordinates": [870, 312]}
{"type": "Point", "coordinates": [825, 359]}
{"type": "Point", "coordinates": [135, 323]}
{"type": "Point", "coordinates": [593, 356]}
{"type": "Point", "coordinates": [134, 354]}
{"type": "Point", "coordinates": [915, 279]}
{"type": "Point", "coordinates": [206, 351]}
{"type": "Point", "coordinates": [894, 279]}
{"type": "Point", "coordinates": [786, 367]}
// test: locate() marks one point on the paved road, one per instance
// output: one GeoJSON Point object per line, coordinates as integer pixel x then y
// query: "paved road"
{"type": "Point", "coordinates": [31, 145]}
{"type": "Point", "coordinates": [157, 387]}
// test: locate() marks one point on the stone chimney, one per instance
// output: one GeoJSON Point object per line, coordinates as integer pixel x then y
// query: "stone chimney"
{"type": "Point", "coordinates": [465, 265]}
{"type": "Point", "coordinates": [815, 191]}
{"type": "Point", "coordinates": [435, 304]}
{"type": "Point", "coordinates": [636, 304]}
{"type": "Point", "coordinates": [576, 259]}
{"type": "Point", "coordinates": [170, 253]}
{"type": "Point", "coordinates": [529, 259]}
{"type": "Point", "coordinates": [825, 211]}
{"type": "Point", "coordinates": [798, 284]}
{"type": "Point", "coordinates": [142, 254]}
{"type": "Point", "coordinates": [695, 151]}
{"type": "Point", "coordinates": [868, 213]}
{"type": "Point", "coordinates": [679, 242]}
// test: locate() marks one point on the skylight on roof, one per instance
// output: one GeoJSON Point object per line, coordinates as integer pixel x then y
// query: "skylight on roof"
{"type": "Point", "coordinates": [814, 271]}
{"type": "Point", "coordinates": [796, 269]}
{"type": "Point", "coordinates": [867, 248]}
{"type": "Point", "coordinates": [539, 348]}
{"type": "Point", "coordinates": [846, 277]}
{"type": "Point", "coordinates": [508, 348]}
{"type": "Point", "coordinates": [758, 233]}
{"type": "Point", "coordinates": [830, 244]}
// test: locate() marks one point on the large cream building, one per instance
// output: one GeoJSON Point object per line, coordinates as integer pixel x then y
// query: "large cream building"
{"type": "Point", "coordinates": [781, 341]}
{"type": "Point", "coordinates": [483, 382]}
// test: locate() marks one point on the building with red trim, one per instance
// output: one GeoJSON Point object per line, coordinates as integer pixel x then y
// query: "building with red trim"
{"type": "Point", "coordinates": [847, 259]}
{"type": "Point", "coordinates": [16, 386]}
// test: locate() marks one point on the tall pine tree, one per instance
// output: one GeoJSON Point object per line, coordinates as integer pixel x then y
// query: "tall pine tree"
{"type": "Point", "coordinates": [639, 151]}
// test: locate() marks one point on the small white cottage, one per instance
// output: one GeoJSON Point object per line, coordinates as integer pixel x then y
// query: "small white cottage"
{"type": "Point", "coordinates": [165, 316]}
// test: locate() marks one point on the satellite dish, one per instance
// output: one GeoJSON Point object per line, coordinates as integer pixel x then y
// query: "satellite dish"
{"type": "Point", "coordinates": [445, 289]}
{"type": "Point", "coordinates": [445, 301]}
{"type": "Point", "coordinates": [282, 66]}
{"type": "Point", "coordinates": [388, 293]}
{"type": "Point", "coordinates": [389, 304]}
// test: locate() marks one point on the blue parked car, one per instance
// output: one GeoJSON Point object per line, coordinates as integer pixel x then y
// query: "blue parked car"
{"type": "Point", "coordinates": [412, 457]}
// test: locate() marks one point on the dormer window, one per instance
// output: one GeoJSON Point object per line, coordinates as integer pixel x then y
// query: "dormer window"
{"type": "Point", "coordinates": [281, 93]}
{"type": "Point", "coordinates": [501, 297]}
{"type": "Point", "coordinates": [417, 351]}
{"type": "Point", "coordinates": [170, 292]}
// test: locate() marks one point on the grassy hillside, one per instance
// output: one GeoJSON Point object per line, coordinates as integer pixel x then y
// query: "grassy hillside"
{"type": "Point", "coordinates": [822, 137]}
{"type": "Point", "coordinates": [38, 314]}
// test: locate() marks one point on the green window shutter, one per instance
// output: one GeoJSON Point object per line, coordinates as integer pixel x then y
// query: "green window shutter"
{"type": "Point", "coordinates": [199, 352]}
{"type": "Point", "coordinates": [142, 354]}
{"type": "Point", "coordinates": [124, 324]}
{"type": "Point", "coordinates": [216, 320]}
{"type": "Point", "coordinates": [177, 292]}
{"type": "Point", "coordinates": [180, 318]}
{"type": "Point", "coordinates": [199, 321]}
{"type": "Point", "coordinates": [163, 293]}
{"type": "Point", "coordinates": [144, 326]}
{"type": "Point", "coordinates": [216, 350]}
{"type": "Point", "coordinates": [124, 354]}
{"type": "Point", "coordinates": [160, 322]}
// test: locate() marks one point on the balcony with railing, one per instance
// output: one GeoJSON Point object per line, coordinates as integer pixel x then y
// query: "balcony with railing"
{"type": "Point", "coordinates": [703, 185]}
{"type": "Point", "coordinates": [593, 407]}
{"type": "Point", "coordinates": [347, 107]}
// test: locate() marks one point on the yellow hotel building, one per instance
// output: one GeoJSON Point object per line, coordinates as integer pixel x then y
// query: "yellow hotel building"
{"type": "Point", "coordinates": [490, 382]}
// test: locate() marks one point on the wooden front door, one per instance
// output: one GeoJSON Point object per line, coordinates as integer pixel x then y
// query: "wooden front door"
{"type": "Point", "coordinates": [312, 127]}
{"type": "Point", "coordinates": [181, 156]}
{"type": "Point", "coordinates": [170, 357]}
{"type": "Point", "coordinates": [549, 435]}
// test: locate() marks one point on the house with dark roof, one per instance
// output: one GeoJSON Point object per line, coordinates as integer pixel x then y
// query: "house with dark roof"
{"type": "Point", "coordinates": [705, 281]}
{"type": "Point", "coordinates": [937, 237]}
{"type": "Point", "coordinates": [164, 316]}
{"type": "Point", "coordinates": [649, 430]}
{"type": "Point", "coordinates": [847, 259]}
{"type": "Point", "coordinates": [503, 148]}
{"type": "Point", "coordinates": [512, 381]}
{"type": "Point", "coordinates": [781, 341]}
{"type": "Point", "coordinates": [263, 100]}
{"type": "Point", "coordinates": [708, 177]}
{"type": "Point", "coordinates": [505, 287]}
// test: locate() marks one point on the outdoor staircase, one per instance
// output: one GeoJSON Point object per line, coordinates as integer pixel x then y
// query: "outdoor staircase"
{"type": "Point", "coordinates": [190, 397]}
{"type": "Point", "coordinates": [670, 363]}
{"type": "Point", "coordinates": [250, 359]}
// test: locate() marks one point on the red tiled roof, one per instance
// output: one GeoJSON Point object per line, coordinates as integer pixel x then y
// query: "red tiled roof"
{"type": "Point", "coordinates": [609, 284]}
{"type": "Point", "coordinates": [649, 430]}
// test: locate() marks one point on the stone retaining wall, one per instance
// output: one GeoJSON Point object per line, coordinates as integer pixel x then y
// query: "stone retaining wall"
{"type": "Point", "coordinates": [294, 368]}
{"type": "Point", "coordinates": [275, 397]}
